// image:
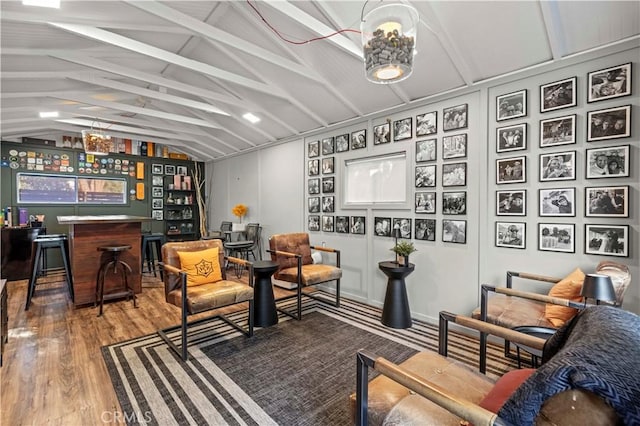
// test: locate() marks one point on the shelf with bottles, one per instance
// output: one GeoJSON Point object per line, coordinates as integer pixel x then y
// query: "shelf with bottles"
{"type": "Point", "coordinates": [179, 199]}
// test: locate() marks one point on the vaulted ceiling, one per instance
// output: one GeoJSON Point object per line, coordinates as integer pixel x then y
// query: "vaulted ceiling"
{"type": "Point", "coordinates": [183, 73]}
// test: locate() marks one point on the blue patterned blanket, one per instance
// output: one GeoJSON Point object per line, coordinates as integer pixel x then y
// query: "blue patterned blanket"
{"type": "Point", "coordinates": [599, 351]}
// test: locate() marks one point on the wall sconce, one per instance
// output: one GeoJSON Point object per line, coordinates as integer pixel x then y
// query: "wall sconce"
{"type": "Point", "coordinates": [598, 287]}
{"type": "Point", "coordinates": [389, 40]}
{"type": "Point", "coordinates": [96, 143]}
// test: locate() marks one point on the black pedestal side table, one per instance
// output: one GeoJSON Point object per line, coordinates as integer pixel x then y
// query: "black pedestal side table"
{"type": "Point", "coordinates": [264, 305]}
{"type": "Point", "coordinates": [396, 312]}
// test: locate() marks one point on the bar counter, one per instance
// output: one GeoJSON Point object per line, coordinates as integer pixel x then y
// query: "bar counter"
{"type": "Point", "coordinates": [86, 234]}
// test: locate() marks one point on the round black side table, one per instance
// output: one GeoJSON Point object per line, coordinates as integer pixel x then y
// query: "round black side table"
{"type": "Point", "coordinates": [264, 305]}
{"type": "Point", "coordinates": [396, 312]}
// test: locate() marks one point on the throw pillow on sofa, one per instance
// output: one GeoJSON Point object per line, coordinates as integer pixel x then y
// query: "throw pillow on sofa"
{"type": "Point", "coordinates": [567, 288]}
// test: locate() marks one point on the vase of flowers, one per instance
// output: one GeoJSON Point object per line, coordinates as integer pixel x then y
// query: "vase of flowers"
{"type": "Point", "coordinates": [239, 210]}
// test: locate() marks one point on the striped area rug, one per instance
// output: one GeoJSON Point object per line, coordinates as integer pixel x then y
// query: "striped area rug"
{"type": "Point", "coordinates": [230, 379]}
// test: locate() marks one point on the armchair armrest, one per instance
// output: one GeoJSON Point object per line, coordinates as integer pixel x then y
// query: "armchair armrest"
{"type": "Point", "coordinates": [528, 276]}
{"type": "Point", "coordinates": [284, 253]}
{"type": "Point", "coordinates": [329, 250]}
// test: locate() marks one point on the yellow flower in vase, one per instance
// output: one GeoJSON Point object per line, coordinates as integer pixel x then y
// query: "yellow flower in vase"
{"type": "Point", "coordinates": [239, 210]}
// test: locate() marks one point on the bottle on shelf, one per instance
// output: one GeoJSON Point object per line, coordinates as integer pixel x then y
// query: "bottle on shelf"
{"type": "Point", "coordinates": [170, 199]}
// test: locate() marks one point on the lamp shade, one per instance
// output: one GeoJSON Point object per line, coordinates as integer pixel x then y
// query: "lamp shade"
{"type": "Point", "coordinates": [598, 287]}
{"type": "Point", "coordinates": [96, 143]}
{"type": "Point", "coordinates": [389, 40]}
{"type": "Point", "coordinates": [396, 231]}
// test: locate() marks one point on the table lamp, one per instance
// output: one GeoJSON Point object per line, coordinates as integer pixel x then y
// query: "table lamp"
{"type": "Point", "coordinates": [598, 287]}
{"type": "Point", "coordinates": [396, 234]}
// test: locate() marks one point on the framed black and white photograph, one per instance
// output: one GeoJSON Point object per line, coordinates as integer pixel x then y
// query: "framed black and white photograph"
{"type": "Point", "coordinates": [328, 146]}
{"type": "Point", "coordinates": [454, 202]}
{"type": "Point", "coordinates": [511, 138]}
{"type": "Point", "coordinates": [314, 223]}
{"type": "Point", "coordinates": [558, 166]}
{"type": "Point", "coordinates": [610, 123]}
{"type": "Point", "coordinates": [181, 170]}
{"type": "Point", "coordinates": [511, 203]}
{"type": "Point", "coordinates": [382, 226]}
{"type": "Point", "coordinates": [342, 143]}
{"type": "Point", "coordinates": [157, 191]}
{"type": "Point", "coordinates": [313, 185]}
{"type": "Point", "coordinates": [156, 203]}
{"type": "Point", "coordinates": [328, 184]}
{"type": "Point", "coordinates": [426, 202]}
{"type": "Point", "coordinates": [404, 225]}
{"type": "Point", "coordinates": [425, 229]}
{"type": "Point", "coordinates": [359, 139]}
{"type": "Point", "coordinates": [558, 95]}
{"type": "Point", "coordinates": [607, 240]}
{"type": "Point", "coordinates": [381, 134]}
{"type": "Point", "coordinates": [328, 204]}
{"type": "Point", "coordinates": [156, 169]}
{"type": "Point", "coordinates": [511, 170]}
{"type": "Point", "coordinates": [455, 118]}
{"type": "Point", "coordinates": [609, 162]}
{"type": "Point", "coordinates": [454, 231]}
{"type": "Point", "coordinates": [426, 176]}
{"type": "Point", "coordinates": [314, 204]}
{"type": "Point", "coordinates": [511, 105]}
{"type": "Point", "coordinates": [169, 169]}
{"type": "Point", "coordinates": [427, 124]}
{"type": "Point", "coordinates": [558, 131]}
{"type": "Point", "coordinates": [156, 180]}
{"type": "Point", "coordinates": [327, 223]}
{"type": "Point", "coordinates": [454, 146]}
{"type": "Point", "coordinates": [313, 150]}
{"type": "Point", "coordinates": [557, 202]}
{"type": "Point", "coordinates": [402, 129]}
{"type": "Point", "coordinates": [454, 174]}
{"type": "Point", "coordinates": [609, 83]}
{"type": "Point", "coordinates": [342, 224]}
{"type": "Point", "coordinates": [157, 214]}
{"type": "Point", "coordinates": [327, 165]}
{"type": "Point", "coordinates": [426, 150]}
{"type": "Point", "coordinates": [511, 235]}
{"type": "Point", "coordinates": [314, 167]}
{"type": "Point", "coordinates": [606, 201]}
{"type": "Point", "coordinates": [556, 237]}
{"type": "Point", "coordinates": [358, 225]}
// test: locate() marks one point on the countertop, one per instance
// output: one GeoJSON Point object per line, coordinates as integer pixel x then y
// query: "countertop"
{"type": "Point", "coordinates": [115, 218]}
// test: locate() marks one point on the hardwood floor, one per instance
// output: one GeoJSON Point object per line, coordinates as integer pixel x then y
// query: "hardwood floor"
{"type": "Point", "coordinates": [53, 371]}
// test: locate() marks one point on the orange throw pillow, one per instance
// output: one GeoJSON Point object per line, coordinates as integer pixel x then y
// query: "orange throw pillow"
{"type": "Point", "coordinates": [202, 267]}
{"type": "Point", "coordinates": [568, 288]}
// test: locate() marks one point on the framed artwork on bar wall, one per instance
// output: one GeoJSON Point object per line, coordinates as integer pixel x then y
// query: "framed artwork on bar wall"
{"type": "Point", "coordinates": [313, 186]}
{"type": "Point", "coordinates": [557, 202]}
{"type": "Point", "coordinates": [511, 203]}
{"type": "Point", "coordinates": [511, 235]}
{"type": "Point", "coordinates": [558, 131]}
{"type": "Point", "coordinates": [427, 124]}
{"type": "Point", "coordinates": [314, 223]}
{"type": "Point", "coordinates": [425, 229]}
{"type": "Point", "coordinates": [426, 202]}
{"type": "Point", "coordinates": [381, 134]}
{"type": "Point", "coordinates": [169, 169]}
{"type": "Point", "coordinates": [454, 146]}
{"type": "Point", "coordinates": [609, 83]}
{"type": "Point", "coordinates": [606, 201]}
{"type": "Point", "coordinates": [511, 105]}
{"type": "Point", "coordinates": [342, 143]}
{"type": "Point", "coordinates": [511, 138]}
{"type": "Point", "coordinates": [454, 174]}
{"type": "Point", "coordinates": [558, 95]}
{"type": "Point", "coordinates": [382, 226]}
{"type": "Point", "coordinates": [607, 240]}
{"type": "Point", "coordinates": [455, 117]}
{"type": "Point", "coordinates": [402, 129]}
{"type": "Point", "coordinates": [313, 149]}
{"type": "Point", "coordinates": [342, 224]}
{"type": "Point", "coordinates": [556, 237]}
{"type": "Point", "coordinates": [359, 139]}
{"type": "Point", "coordinates": [558, 166]}
{"type": "Point", "coordinates": [404, 224]}
{"type": "Point", "coordinates": [358, 225]}
{"type": "Point", "coordinates": [511, 170]}
{"type": "Point", "coordinates": [327, 223]}
{"type": "Point", "coordinates": [156, 169]}
{"type": "Point", "coordinates": [610, 123]}
{"type": "Point", "coordinates": [454, 202]}
{"type": "Point", "coordinates": [454, 231]}
{"type": "Point", "coordinates": [426, 150]}
{"type": "Point", "coordinates": [609, 162]}
{"type": "Point", "coordinates": [425, 176]}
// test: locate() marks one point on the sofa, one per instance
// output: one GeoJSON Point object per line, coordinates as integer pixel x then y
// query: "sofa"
{"type": "Point", "coordinates": [588, 376]}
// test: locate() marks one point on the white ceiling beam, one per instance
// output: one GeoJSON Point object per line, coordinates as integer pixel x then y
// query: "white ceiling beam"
{"type": "Point", "coordinates": [554, 28]}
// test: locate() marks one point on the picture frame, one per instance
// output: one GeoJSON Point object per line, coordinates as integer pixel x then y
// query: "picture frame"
{"type": "Point", "coordinates": [313, 186]}
{"type": "Point", "coordinates": [427, 123]}
{"type": "Point", "coordinates": [425, 229]}
{"type": "Point", "coordinates": [609, 83]}
{"type": "Point", "coordinates": [455, 118]}
{"type": "Point", "coordinates": [156, 169]}
{"type": "Point", "coordinates": [511, 138]}
{"type": "Point", "coordinates": [328, 146]}
{"type": "Point", "coordinates": [558, 237]}
{"type": "Point", "coordinates": [327, 223]}
{"type": "Point", "coordinates": [511, 235]}
{"type": "Point", "coordinates": [425, 176]}
{"type": "Point", "coordinates": [425, 202]}
{"type": "Point", "coordinates": [313, 150]}
{"type": "Point", "coordinates": [404, 224]}
{"type": "Point", "coordinates": [609, 123]}
{"type": "Point", "coordinates": [559, 94]}
{"type": "Point", "coordinates": [607, 162]}
{"type": "Point", "coordinates": [157, 191]}
{"type": "Point", "coordinates": [557, 202]}
{"type": "Point", "coordinates": [606, 201]}
{"type": "Point", "coordinates": [511, 170]}
{"type": "Point", "coordinates": [511, 105]}
{"type": "Point", "coordinates": [558, 131]}
{"type": "Point", "coordinates": [342, 224]}
{"type": "Point", "coordinates": [454, 231]}
{"type": "Point", "coordinates": [328, 185]}
{"type": "Point", "coordinates": [328, 204]}
{"type": "Point", "coordinates": [342, 143]}
{"type": "Point", "coordinates": [382, 226]}
{"type": "Point", "coordinates": [454, 146]}
{"type": "Point", "coordinates": [402, 129]}
{"type": "Point", "coordinates": [313, 204]}
{"type": "Point", "coordinates": [359, 139]}
{"type": "Point", "coordinates": [454, 202]}
{"type": "Point", "coordinates": [358, 225]}
{"type": "Point", "coordinates": [511, 203]}
{"type": "Point", "coordinates": [157, 181]}
{"type": "Point", "coordinates": [169, 169]}
{"type": "Point", "coordinates": [327, 165]}
{"type": "Point", "coordinates": [454, 174]}
{"type": "Point", "coordinates": [313, 223]}
{"type": "Point", "coordinates": [606, 240]}
{"type": "Point", "coordinates": [557, 166]}
{"type": "Point", "coordinates": [156, 203]}
{"type": "Point", "coordinates": [426, 150]}
{"type": "Point", "coordinates": [181, 170]}
{"type": "Point", "coordinates": [313, 167]}
{"type": "Point", "coordinates": [381, 134]}
{"type": "Point", "coordinates": [157, 214]}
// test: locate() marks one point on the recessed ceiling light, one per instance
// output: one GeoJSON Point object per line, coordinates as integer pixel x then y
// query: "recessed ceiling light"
{"type": "Point", "coordinates": [49, 114]}
{"type": "Point", "coordinates": [42, 3]}
{"type": "Point", "coordinates": [251, 117]}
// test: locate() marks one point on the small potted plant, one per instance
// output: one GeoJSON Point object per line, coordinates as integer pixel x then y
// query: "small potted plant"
{"type": "Point", "coordinates": [402, 250]}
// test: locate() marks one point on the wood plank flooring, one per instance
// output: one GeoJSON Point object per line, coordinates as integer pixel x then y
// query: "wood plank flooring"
{"type": "Point", "coordinates": [53, 372]}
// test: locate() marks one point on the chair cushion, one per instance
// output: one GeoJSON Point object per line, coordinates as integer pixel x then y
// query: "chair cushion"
{"type": "Point", "coordinates": [503, 389]}
{"type": "Point", "coordinates": [212, 295]}
{"type": "Point", "coordinates": [311, 274]}
{"type": "Point", "coordinates": [202, 266]}
{"type": "Point", "coordinates": [567, 288]}
{"type": "Point", "coordinates": [508, 311]}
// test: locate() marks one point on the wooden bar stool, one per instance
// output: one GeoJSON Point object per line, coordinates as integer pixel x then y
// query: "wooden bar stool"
{"type": "Point", "coordinates": [127, 290]}
{"type": "Point", "coordinates": [151, 241]}
{"type": "Point", "coordinates": [40, 246]}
